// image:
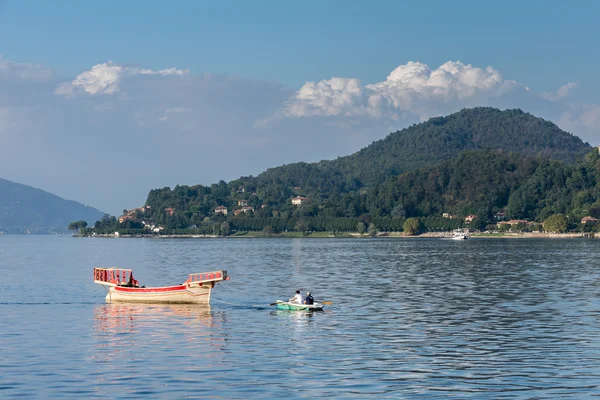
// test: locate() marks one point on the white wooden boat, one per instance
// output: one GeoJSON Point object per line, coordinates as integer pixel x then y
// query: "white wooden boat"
{"type": "Point", "coordinates": [122, 287]}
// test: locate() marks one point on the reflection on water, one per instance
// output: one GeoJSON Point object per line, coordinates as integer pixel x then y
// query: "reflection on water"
{"type": "Point", "coordinates": [111, 317]}
{"type": "Point", "coordinates": [133, 328]}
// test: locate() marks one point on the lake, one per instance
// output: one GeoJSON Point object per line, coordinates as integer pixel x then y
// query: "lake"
{"type": "Point", "coordinates": [411, 318]}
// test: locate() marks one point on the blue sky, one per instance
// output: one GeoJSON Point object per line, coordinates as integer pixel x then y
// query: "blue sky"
{"type": "Point", "coordinates": [228, 84]}
{"type": "Point", "coordinates": [542, 42]}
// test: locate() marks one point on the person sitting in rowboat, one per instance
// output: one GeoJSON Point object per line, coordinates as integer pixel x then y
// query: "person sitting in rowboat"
{"type": "Point", "coordinates": [298, 298]}
{"type": "Point", "coordinates": [308, 299]}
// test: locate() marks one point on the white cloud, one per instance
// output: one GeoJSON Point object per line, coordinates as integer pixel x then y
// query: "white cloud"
{"type": "Point", "coordinates": [563, 91]}
{"type": "Point", "coordinates": [23, 71]}
{"type": "Point", "coordinates": [329, 97]}
{"type": "Point", "coordinates": [105, 78]}
{"type": "Point", "coordinates": [414, 88]}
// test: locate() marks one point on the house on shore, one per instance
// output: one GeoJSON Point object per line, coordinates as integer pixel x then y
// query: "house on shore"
{"type": "Point", "coordinates": [588, 219]}
{"type": "Point", "coordinates": [469, 218]}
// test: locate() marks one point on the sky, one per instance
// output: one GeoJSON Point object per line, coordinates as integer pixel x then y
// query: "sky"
{"type": "Point", "coordinates": [100, 102]}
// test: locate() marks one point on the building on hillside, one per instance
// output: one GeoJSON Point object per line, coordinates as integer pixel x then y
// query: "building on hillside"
{"type": "Point", "coordinates": [221, 209]}
{"type": "Point", "coordinates": [242, 202]}
{"type": "Point", "coordinates": [447, 215]}
{"type": "Point", "coordinates": [514, 222]}
{"type": "Point", "coordinates": [124, 218]}
{"type": "Point", "coordinates": [500, 216]}
{"type": "Point", "coordinates": [237, 212]}
{"type": "Point", "coordinates": [247, 209]}
{"type": "Point", "coordinates": [588, 219]}
{"type": "Point", "coordinates": [169, 211]}
{"type": "Point", "coordinates": [469, 218]}
{"type": "Point", "coordinates": [299, 200]}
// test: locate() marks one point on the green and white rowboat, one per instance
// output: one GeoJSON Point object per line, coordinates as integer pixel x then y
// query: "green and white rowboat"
{"type": "Point", "coordinates": [285, 305]}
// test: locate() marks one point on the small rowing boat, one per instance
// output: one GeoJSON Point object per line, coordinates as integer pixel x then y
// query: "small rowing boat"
{"type": "Point", "coordinates": [286, 305]}
{"type": "Point", "coordinates": [122, 287]}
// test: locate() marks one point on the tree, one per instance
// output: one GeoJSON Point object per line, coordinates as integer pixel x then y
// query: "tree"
{"type": "Point", "coordinates": [479, 222]}
{"type": "Point", "coordinates": [225, 229]}
{"type": "Point", "coordinates": [73, 226]}
{"type": "Point", "coordinates": [360, 228]}
{"type": "Point", "coordinates": [372, 230]}
{"type": "Point", "coordinates": [301, 226]}
{"type": "Point", "coordinates": [412, 226]}
{"type": "Point", "coordinates": [556, 223]}
{"type": "Point", "coordinates": [77, 226]}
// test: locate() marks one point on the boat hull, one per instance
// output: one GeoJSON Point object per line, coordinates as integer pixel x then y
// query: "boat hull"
{"type": "Point", "coordinates": [459, 237]}
{"type": "Point", "coordinates": [299, 307]}
{"type": "Point", "coordinates": [181, 294]}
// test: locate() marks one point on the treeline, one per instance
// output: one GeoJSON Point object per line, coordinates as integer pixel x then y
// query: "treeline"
{"type": "Point", "coordinates": [483, 183]}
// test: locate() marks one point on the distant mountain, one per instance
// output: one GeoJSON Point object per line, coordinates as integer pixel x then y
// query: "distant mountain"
{"type": "Point", "coordinates": [27, 209]}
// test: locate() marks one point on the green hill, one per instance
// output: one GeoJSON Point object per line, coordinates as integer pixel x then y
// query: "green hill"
{"type": "Point", "coordinates": [27, 209]}
{"type": "Point", "coordinates": [429, 143]}
{"type": "Point", "coordinates": [478, 160]}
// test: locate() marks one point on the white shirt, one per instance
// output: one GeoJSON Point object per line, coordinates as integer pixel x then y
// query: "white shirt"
{"type": "Point", "coordinates": [298, 299]}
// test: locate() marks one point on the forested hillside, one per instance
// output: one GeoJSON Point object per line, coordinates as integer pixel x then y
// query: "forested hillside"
{"type": "Point", "coordinates": [483, 182]}
{"type": "Point", "coordinates": [478, 161]}
{"type": "Point", "coordinates": [429, 143]}
{"type": "Point", "coordinates": [24, 209]}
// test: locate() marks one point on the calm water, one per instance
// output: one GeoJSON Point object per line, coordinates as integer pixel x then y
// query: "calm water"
{"type": "Point", "coordinates": [488, 318]}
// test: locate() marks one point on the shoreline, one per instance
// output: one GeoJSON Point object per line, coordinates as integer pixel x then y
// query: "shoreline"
{"type": "Point", "coordinates": [385, 235]}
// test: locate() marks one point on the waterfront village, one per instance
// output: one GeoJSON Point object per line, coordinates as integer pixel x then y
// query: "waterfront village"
{"type": "Point", "coordinates": [141, 216]}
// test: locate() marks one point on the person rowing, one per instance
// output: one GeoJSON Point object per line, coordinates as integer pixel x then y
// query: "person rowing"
{"type": "Point", "coordinates": [298, 298]}
{"type": "Point", "coordinates": [309, 299]}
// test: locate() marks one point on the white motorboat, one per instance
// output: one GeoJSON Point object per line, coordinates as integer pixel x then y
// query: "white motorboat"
{"type": "Point", "coordinates": [459, 234]}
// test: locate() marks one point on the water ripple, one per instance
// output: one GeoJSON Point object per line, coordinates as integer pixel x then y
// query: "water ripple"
{"type": "Point", "coordinates": [410, 318]}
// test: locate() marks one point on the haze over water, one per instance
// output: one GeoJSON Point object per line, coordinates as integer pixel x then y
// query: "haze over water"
{"type": "Point", "coordinates": [428, 318]}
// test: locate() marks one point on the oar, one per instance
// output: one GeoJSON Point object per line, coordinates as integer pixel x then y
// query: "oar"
{"type": "Point", "coordinates": [327, 303]}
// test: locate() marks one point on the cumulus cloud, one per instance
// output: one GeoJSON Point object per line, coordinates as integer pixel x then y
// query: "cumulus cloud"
{"type": "Point", "coordinates": [23, 71]}
{"type": "Point", "coordinates": [105, 78]}
{"type": "Point", "coordinates": [559, 94]}
{"type": "Point", "coordinates": [414, 88]}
